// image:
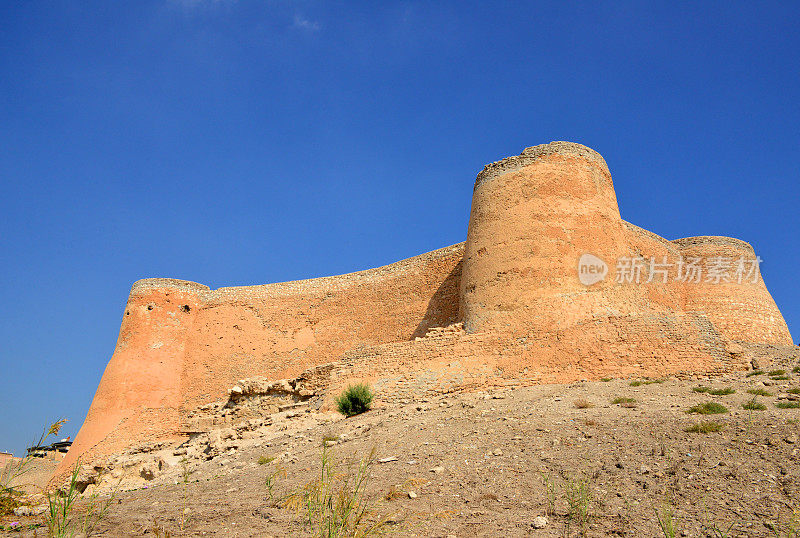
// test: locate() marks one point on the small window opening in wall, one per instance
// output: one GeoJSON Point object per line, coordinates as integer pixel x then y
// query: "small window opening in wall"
{"type": "Point", "coordinates": [149, 307]}
{"type": "Point", "coordinates": [128, 313]}
{"type": "Point", "coordinates": [185, 308]}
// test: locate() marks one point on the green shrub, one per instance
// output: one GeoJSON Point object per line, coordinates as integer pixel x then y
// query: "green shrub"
{"type": "Point", "coordinates": [754, 405]}
{"type": "Point", "coordinates": [708, 408]}
{"type": "Point", "coordinates": [639, 382]}
{"type": "Point", "coordinates": [754, 372]}
{"type": "Point", "coordinates": [355, 399]}
{"type": "Point", "coordinates": [8, 501]}
{"type": "Point", "coordinates": [629, 403]}
{"type": "Point", "coordinates": [707, 426]}
{"type": "Point", "coordinates": [606, 379]}
{"type": "Point", "coordinates": [796, 369]}
{"type": "Point", "coordinates": [760, 392]}
{"type": "Point", "coordinates": [722, 392]}
{"type": "Point", "coordinates": [714, 392]}
{"type": "Point", "coordinates": [779, 377]}
{"type": "Point", "coordinates": [263, 460]}
{"type": "Point", "coordinates": [795, 390]}
{"type": "Point", "coordinates": [788, 405]}
{"type": "Point", "coordinates": [776, 372]}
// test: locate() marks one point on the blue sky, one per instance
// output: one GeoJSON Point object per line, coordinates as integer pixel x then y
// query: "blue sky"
{"type": "Point", "coordinates": [236, 142]}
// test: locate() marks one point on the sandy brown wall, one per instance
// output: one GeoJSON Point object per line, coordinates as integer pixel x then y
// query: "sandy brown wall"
{"type": "Point", "coordinates": [514, 284]}
{"type": "Point", "coordinates": [182, 345]}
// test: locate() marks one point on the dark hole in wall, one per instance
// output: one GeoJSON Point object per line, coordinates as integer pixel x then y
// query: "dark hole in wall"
{"type": "Point", "coordinates": [185, 308]}
{"type": "Point", "coordinates": [149, 307]}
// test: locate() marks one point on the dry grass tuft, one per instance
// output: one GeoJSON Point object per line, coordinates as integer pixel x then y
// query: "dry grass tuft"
{"type": "Point", "coordinates": [708, 408]}
{"type": "Point", "coordinates": [624, 402]}
{"type": "Point", "coordinates": [754, 405]}
{"type": "Point", "coordinates": [705, 427]}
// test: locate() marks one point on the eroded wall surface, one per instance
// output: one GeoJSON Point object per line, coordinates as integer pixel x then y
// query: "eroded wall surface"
{"type": "Point", "coordinates": [182, 345]}
{"type": "Point", "coordinates": [504, 308]}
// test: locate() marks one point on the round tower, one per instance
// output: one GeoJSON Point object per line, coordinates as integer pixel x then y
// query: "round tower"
{"type": "Point", "coordinates": [722, 278]}
{"type": "Point", "coordinates": [140, 391]}
{"type": "Point", "coordinates": [533, 216]}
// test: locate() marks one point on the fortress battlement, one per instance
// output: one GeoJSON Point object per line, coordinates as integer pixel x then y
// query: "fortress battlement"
{"type": "Point", "coordinates": [506, 306]}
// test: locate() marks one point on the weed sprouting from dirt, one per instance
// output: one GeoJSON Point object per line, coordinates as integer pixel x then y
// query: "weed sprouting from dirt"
{"type": "Point", "coordinates": [708, 408]}
{"type": "Point", "coordinates": [714, 392]}
{"type": "Point", "coordinates": [550, 493]}
{"type": "Point", "coordinates": [271, 481]}
{"type": "Point", "coordinates": [13, 473]}
{"type": "Point", "coordinates": [578, 496]}
{"type": "Point", "coordinates": [263, 460]}
{"type": "Point", "coordinates": [159, 531]}
{"type": "Point", "coordinates": [667, 522]}
{"type": "Point", "coordinates": [760, 392]}
{"type": "Point", "coordinates": [778, 375]}
{"type": "Point", "coordinates": [788, 405]}
{"type": "Point", "coordinates": [795, 390]}
{"type": "Point", "coordinates": [712, 528]}
{"type": "Point", "coordinates": [355, 399]}
{"type": "Point", "coordinates": [792, 528]}
{"type": "Point", "coordinates": [754, 405]}
{"type": "Point", "coordinates": [706, 426]}
{"type": "Point", "coordinates": [722, 392]}
{"type": "Point", "coordinates": [63, 518]}
{"type": "Point", "coordinates": [186, 473]}
{"type": "Point", "coordinates": [606, 379]}
{"type": "Point", "coordinates": [329, 438]}
{"type": "Point", "coordinates": [640, 382]}
{"type": "Point", "coordinates": [754, 373]}
{"type": "Point", "coordinates": [583, 403]}
{"type": "Point", "coordinates": [622, 401]}
{"type": "Point", "coordinates": [336, 504]}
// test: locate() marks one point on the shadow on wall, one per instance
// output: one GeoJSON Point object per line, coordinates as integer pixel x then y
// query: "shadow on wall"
{"type": "Point", "coordinates": [443, 307]}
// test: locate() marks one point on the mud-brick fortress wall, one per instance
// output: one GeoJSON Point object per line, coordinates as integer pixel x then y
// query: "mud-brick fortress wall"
{"type": "Point", "coordinates": [535, 214]}
{"type": "Point", "coordinates": [182, 345]}
{"type": "Point", "coordinates": [513, 285]}
{"type": "Point", "coordinates": [532, 217]}
{"type": "Point", "coordinates": [742, 311]}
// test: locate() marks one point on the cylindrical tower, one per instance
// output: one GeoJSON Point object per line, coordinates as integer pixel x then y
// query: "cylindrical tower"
{"type": "Point", "coordinates": [721, 278]}
{"type": "Point", "coordinates": [140, 391]}
{"type": "Point", "coordinates": [533, 216]}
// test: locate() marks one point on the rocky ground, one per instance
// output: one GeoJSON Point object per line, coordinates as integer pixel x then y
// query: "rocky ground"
{"type": "Point", "coordinates": [550, 460]}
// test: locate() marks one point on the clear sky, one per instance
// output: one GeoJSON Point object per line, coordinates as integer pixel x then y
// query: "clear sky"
{"type": "Point", "coordinates": [245, 142]}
